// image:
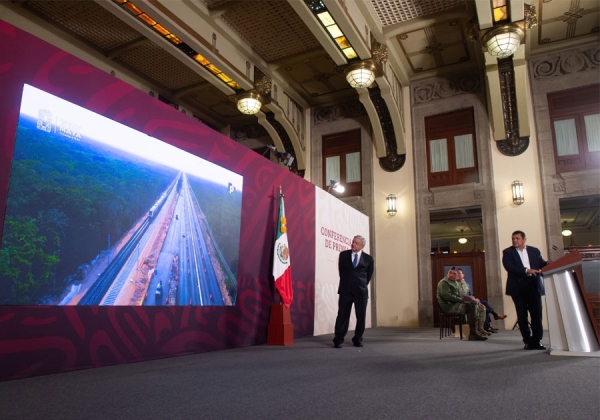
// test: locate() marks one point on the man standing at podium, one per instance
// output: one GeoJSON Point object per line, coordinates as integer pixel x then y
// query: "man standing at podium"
{"type": "Point", "coordinates": [524, 284]}
{"type": "Point", "coordinates": [356, 269]}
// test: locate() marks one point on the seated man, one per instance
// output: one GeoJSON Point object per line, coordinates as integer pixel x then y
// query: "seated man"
{"type": "Point", "coordinates": [466, 290]}
{"type": "Point", "coordinates": [450, 300]}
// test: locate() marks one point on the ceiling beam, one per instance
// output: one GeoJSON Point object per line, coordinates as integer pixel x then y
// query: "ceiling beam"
{"type": "Point", "coordinates": [310, 20]}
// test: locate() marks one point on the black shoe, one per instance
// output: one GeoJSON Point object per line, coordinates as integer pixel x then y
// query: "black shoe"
{"type": "Point", "coordinates": [534, 346]}
{"type": "Point", "coordinates": [337, 345]}
{"type": "Point", "coordinates": [358, 345]}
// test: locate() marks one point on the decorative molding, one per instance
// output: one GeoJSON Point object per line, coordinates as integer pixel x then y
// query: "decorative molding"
{"type": "Point", "coordinates": [473, 31]}
{"type": "Point", "coordinates": [513, 145]}
{"type": "Point", "coordinates": [262, 83]}
{"type": "Point", "coordinates": [351, 109]}
{"type": "Point", "coordinates": [566, 62]}
{"type": "Point", "coordinates": [559, 187]}
{"type": "Point", "coordinates": [478, 195]}
{"type": "Point", "coordinates": [508, 148]}
{"type": "Point", "coordinates": [379, 52]}
{"type": "Point", "coordinates": [429, 200]}
{"type": "Point", "coordinates": [392, 160]}
{"type": "Point", "coordinates": [294, 113]}
{"type": "Point", "coordinates": [446, 89]}
{"type": "Point", "coordinates": [287, 142]}
{"type": "Point", "coordinates": [248, 131]}
{"type": "Point", "coordinates": [531, 19]}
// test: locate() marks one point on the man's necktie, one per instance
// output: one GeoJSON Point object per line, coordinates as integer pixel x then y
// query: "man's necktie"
{"type": "Point", "coordinates": [355, 261]}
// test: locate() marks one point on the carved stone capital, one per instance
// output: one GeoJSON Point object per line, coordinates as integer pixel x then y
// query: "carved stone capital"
{"type": "Point", "coordinates": [263, 86]}
{"type": "Point", "coordinates": [379, 52]}
{"type": "Point", "coordinates": [530, 16]}
{"type": "Point", "coordinates": [559, 187]}
{"type": "Point", "coordinates": [473, 33]}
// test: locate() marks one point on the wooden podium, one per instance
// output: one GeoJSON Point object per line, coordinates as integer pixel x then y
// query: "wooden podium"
{"type": "Point", "coordinates": [570, 322]}
{"type": "Point", "coordinates": [280, 331]}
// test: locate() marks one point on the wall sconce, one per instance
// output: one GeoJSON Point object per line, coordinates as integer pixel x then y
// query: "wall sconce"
{"type": "Point", "coordinates": [337, 187]}
{"type": "Point", "coordinates": [391, 204]}
{"type": "Point", "coordinates": [517, 193]}
{"type": "Point", "coordinates": [462, 240]}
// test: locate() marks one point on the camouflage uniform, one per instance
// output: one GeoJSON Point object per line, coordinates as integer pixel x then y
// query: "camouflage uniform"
{"type": "Point", "coordinates": [449, 297]}
{"type": "Point", "coordinates": [465, 290]}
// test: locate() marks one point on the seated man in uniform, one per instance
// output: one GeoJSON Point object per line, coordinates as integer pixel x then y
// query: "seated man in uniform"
{"type": "Point", "coordinates": [450, 300]}
{"type": "Point", "coordinates": [466, 290]}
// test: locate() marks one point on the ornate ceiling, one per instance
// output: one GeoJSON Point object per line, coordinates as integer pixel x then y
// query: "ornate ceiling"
{"type": "Point", "coordinates": [282, 38]}
{"type": "Point", "coordinates": [428, 37]}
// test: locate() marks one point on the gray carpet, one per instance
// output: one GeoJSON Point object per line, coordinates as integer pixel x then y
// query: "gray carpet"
{"type": "Point", "coordinates": [401, 373]}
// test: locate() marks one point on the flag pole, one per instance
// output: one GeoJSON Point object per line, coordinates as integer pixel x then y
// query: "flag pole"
{"type": "Point", "coordinates": [277, 234]}
{"type": "Point", "coordinates": [280, 330]}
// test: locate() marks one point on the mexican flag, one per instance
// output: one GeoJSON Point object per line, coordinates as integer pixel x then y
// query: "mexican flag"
{"type": "Point", "coordinates": [282, 270]}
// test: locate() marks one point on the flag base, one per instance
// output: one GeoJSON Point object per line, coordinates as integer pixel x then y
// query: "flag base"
{"type": "Point", "coordinates": [280, 331]}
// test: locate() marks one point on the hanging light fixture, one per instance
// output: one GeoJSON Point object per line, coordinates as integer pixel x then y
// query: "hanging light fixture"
{"type": "Point", "coordinates": [391, 204]}
{"type": "Point", "coordinates": [517, 193]}
{"type": "Point", "coordinates": [566, 232]}
{"type": "Point", "coordinates": [360, 75]}
{"type": "Point", "coordinates": [462, 240]}
{"type": "Point", "coordinates": [249, 102]}
{"type": "Point", "coordinates": [503, 41]}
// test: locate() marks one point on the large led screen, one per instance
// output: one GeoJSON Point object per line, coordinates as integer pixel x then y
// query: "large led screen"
{"type": "Point", "coordinates": [101, 214]}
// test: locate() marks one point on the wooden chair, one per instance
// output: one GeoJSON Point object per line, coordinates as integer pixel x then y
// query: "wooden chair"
{"type": "Point", "coordinates": [448, 320]}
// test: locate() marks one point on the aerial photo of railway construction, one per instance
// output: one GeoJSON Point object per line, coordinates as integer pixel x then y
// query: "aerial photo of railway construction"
{"type": "Point", "coordinates": [101, 214]}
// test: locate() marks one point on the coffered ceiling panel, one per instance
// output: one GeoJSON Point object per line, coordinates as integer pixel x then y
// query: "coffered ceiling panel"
{"type": "Point", "coordinates": [391, 12]}
{"type": "Point", "coordinates": [560, 20]}
{"type": "Point", "coordinates": [159, 65]}
{"type": "Point", "coordinates": [86, 20]}
{"type": "Point", "coordinates": [433, 47]}
{"type": "Point", "coordinates": [314, 75]}
{"type": "Point", "coordinates": [271, 27]}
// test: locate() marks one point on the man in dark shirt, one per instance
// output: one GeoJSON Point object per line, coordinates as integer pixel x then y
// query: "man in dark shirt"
{"type": "Point", "coordinates": [524, 284]}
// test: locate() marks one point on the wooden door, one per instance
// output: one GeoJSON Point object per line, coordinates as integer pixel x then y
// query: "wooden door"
{"type": "Point", "coordinates": [472, 264]}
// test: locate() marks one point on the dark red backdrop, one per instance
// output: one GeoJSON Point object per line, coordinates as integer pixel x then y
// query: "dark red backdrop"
{"type": "Point", "coordinates": [37, 340]}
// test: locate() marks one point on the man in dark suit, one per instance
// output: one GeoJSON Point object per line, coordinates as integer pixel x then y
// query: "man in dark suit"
{"type": "Point", "coordinates": [356, 269]}
{"type": "Point", "coordinates": [524, 285]}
